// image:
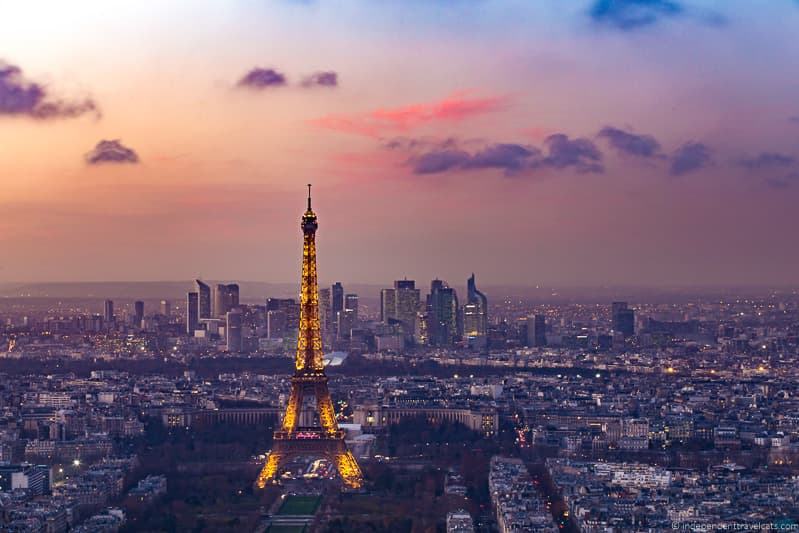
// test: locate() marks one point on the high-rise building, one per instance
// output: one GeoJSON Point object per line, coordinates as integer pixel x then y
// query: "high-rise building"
{"type": "Point", "coordinates": [337, 293]}
{"type": "Point", "coordinates": [421, 333]}
{"type": "Point", "coordinates": [285, 317]}
{"type": "Point", "coordinates": [203, 299]}
{"type": "Point", "coordinates": [337, 304]}
{"type": "Point", "coordinates": [351, 304]}
{"type": "Point", "coordinates": [138, 313]}
{"type": "Point", "coordinates": [442, 305]}
{"type": "Point", "coordinates": [276, 324]}
{"type": "Point", "coordinates": [536, 331]}
{"type": "Point", "coordinates": [165, 308]}
{"type": "Point", "coordinates": [472, 321]}
{"type": "Point", "coordinates": [477, 324]}
{"type": "Point", "coordinates": [108, 311]}
{"type": "Point", "coordinates": [388, 305]}
{"type": "Point", "coordinates": [324, 311]}
{"type": "Point", "coordinates": [407, 305]}
{"type": "Point", "coordinates": [233, 330]}
{"type": "Point", "coordinates": [192, 312]}
{"type": "Point", "coordinates": [345, 321]}
{"type": "Point", "coordinates": [623, 319]}
{"type": "Point", "coordinates": [226, 298]}
{"type": "Point", "coordinates": [400, 304]}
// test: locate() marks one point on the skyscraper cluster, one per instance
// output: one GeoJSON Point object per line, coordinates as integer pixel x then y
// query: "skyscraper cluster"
{"type": "Point", "coordinates": [440, 320]}
{"type": "Point", "coordinates": [400, 305]}
{"type": "Point", "coordinates": [205, 308]}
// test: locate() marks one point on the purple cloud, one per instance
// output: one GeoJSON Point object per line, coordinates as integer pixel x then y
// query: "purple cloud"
{"type": "Point", "coordinates": [439, 161]}
{"type": "Point", "coordinates": [326, 78]}
{"type": "Point", "coordinates": [689, 157]}
{"type": "Point", "coordinates": [509, 157]}
{"type": "Point", "coordinates": [112, 151]}
{"type": "Point", "coordinates": [579, 154]}
{"type": "Point", "coordinates": [768, 160]}
{"type": "Point", "coordinates": [629, 15]}
{"type": "Point", "coordinates": [629, 143]}
{"type": "Point", "coordinates": [20, 97]}
{"type": "Point", "coordinates": [262, 78]}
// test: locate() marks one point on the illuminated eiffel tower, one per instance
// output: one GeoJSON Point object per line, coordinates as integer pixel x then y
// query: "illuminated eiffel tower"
{"type": "Point", "coordinates": [308, 429]}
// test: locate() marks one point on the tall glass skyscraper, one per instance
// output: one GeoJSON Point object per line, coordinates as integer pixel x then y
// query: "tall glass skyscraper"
{"type": "Point", "coordinates": [203, 299]}
{"type": "Point", "coordinates": [475, 315]}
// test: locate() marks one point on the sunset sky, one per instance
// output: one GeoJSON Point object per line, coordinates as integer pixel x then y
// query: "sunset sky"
{"type": "Point", "coordinates": [640, 142]}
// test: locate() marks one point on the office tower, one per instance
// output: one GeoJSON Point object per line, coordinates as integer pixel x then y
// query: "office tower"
{"type": "Point", "coordinates": [192, 312]}
{"type": "Point", "coordinates": [388, 305]}
{"type": "Point", "coordinates": [276, 324]}
{"type": "Point", "coordinates": [233, 330]}
{"type": "Point", "coordinates": [345, 321]}
{"type": "Point", "coordinates": [337, 294]}
{"type": "Point", "coordinates": [536, 331]}
{"type": "Point", "coordinates": [138, 313]}
{"type": "Point", "coordinates": [309, 424]}
{"type": "Point", "coordinates": [472, 321]}
{"type": "Point", "coordinates": [108, 311]}
{"type": "Point", "coordinates": [442, 305]}
{"type": "Point", "coordinates": [623, 319]}
{"type": "Point", "coordinates": [421, 332]}
{"type": "Point", "coordinates": [219, 301]}
{"type": "Point", "coordinates": [324, 311]}
{"type": "Point", "coordinates": [203, 299]}
{"type": "Point", "coordinates": [290, 308]}
{"type": "Point", "coordinates": [226, 298]}
{"type": "Point", "coordinates": [400, 304]}
{"type": "Point", "coordinates": [165, 308]}
{"type": "Point", "coordinates": [407, 305]}
{"type": "Point", "coordinates": [351, 304]}
{"type": "Point", "coordinates": [478, 310]}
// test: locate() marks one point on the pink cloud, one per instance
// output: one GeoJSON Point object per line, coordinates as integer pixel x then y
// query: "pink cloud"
{"type": "Point", "coordinates": [454, 108]}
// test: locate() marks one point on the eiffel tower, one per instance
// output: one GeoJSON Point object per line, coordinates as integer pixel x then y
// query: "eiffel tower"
{"type": "Point", "coordinates": [308, 429]}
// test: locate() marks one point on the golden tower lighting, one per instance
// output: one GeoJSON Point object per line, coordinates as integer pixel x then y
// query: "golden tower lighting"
{"type": "Point", "coordinates": [318, 434]}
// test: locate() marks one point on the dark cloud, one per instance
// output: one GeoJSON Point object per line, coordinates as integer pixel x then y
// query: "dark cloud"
{"type": "Point", "coordinates": [447, 155]}
{"type": "Point", "coordinates": [633, 14]}
{"type": "Point", "coordinates": [439, 161]}
{"type": "Point", "coordinates": [326, 78]}
{"type": "Point", "coordinates": [112, 151]}
{"type": "Point", "coordinates": [580, 154]}
{"type": "Point", "coordinates": [511, 158]}
{"type": "Point", "coordinates": [629, 143]}
{"type": "Point", "coordinates": [416, 144]}
{"type": "Point", "coordinates": [20, 97]}
{"type": "Point", "coordinates": [768, 160]}
{"type": "Point", "coordinates": [434, 157]}
{"type": "Point", "coordinates": [689, 157]}
{"type": "Point", "coordinates": [262, 78]}
{"type": "Point", "coordinates": [794, 119]}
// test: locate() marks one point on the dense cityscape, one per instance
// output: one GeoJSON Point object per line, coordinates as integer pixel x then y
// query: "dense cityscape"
{"type": "Point", "coordinates": [483, 415]}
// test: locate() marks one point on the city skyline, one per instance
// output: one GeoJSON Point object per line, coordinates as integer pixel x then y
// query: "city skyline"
{"type": "Point", "coordinates": [534, 144]}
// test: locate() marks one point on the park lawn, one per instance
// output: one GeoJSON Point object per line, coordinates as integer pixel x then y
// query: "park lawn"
{"type": "Point", "coordinates": [299, 505]}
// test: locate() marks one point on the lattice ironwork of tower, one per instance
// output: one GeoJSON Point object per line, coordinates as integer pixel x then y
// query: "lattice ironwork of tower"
{"type": "Point", "coordinates": [308, 429]}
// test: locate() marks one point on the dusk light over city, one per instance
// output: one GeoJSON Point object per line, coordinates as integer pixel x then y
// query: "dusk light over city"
{"type": "Point", "coordinates": [459, 266]}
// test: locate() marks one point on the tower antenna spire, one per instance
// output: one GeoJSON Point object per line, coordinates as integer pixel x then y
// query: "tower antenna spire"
{"type": "Point", "coordinates": [309, 197]}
